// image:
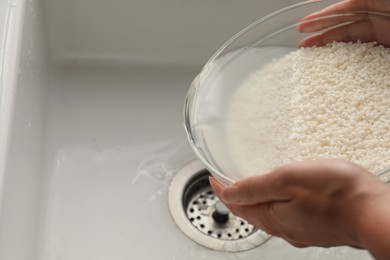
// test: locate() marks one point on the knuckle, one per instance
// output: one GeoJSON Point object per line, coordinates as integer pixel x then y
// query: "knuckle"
{"type": "Point", "coordinates": [286, 176]}
{"type": "Point", "coordinates": [248, 191]}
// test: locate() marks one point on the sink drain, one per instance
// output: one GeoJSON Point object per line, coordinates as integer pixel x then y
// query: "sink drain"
{"type": "Point", "coordinates": [202, 217]}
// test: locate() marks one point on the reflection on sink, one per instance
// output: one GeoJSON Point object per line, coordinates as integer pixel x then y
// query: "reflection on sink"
{"type": "Point", "coordinates": [91, 127]}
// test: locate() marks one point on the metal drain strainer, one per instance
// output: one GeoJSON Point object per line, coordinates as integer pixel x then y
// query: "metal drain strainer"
{"type": "Point", "coordinates": [202, 217]}
{"type": "Point", "coordinates": [211, 217]}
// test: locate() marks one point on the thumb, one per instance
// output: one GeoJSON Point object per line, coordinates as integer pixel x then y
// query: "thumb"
{"type": "Point", "coordinates": [253, 190]}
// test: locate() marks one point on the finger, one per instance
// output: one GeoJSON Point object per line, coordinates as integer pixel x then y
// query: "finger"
{"type": "Point", "coordinates": [216, 186]}
{"type": "Point", "coordinates": [297, 244]}
{"type": "Point", "coordinates": [258, 215]}
{"type": "Point", "coordinates": [349, 33]}
{"type": "Point", "coordinates": [257, 189]}
{"type": "Point", "coordinates": [261, 217]}
{"type": "Point", "coordinates": [321, 23]}
{"type": "Point", "coordinates": [345, 7]}
{"type": "Point", "coordinates": [277, 186]}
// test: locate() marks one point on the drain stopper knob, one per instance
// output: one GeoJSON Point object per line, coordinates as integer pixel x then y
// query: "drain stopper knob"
{"type": "Point", "coordinates": [221, 213]}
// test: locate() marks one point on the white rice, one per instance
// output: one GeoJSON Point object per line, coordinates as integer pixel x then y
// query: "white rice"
{"type": "Point", "coordinates": [318, 102]}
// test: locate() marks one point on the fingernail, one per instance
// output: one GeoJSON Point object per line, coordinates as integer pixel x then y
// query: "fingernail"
{"type": "Point", "coordinates": [307, 27]}
{"type": "Point", "coordinates": [231, 194]}
{"type": "Point", "coordinates": [213, 182]}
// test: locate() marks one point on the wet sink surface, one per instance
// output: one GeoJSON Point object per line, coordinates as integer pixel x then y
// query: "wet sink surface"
{"type": "Point", "coordinates": [103, 124]}
{"type": "Point", "coordinates": [114, 140]}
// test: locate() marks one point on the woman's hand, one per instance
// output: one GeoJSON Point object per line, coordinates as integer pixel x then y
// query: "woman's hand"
{"type": "Point", "coordinates": [314, 203]}
{"type": "Point", "coordinates": [352, 20]}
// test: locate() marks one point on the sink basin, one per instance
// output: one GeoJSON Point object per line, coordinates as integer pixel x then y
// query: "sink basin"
{"type": "Point", "coordinates": [91, 127]}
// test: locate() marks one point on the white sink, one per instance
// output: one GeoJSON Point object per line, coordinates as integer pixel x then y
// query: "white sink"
{"type": "Point", "coordinates": [91, 126]}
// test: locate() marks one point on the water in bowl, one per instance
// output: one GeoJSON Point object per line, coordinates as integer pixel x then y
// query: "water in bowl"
{"type": "Point", "coordinates": [217, 86]}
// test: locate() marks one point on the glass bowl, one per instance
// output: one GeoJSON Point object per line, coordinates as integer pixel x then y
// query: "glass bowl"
{"type": "Point", "coordinates": [212, 92]}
